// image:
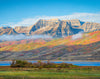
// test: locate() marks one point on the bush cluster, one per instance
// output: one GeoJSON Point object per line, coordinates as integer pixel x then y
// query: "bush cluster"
{"type": "Point", "coordinates": [39, 64]}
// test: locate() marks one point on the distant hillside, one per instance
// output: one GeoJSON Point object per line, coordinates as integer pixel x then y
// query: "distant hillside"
{"type": "Point", "coordinates": [86, 47]}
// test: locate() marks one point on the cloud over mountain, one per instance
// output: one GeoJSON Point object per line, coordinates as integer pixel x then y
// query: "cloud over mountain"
{"type": "Point", "coordinates": [21, 37]}
{"type": "Point", "coordinates": [90, 17]}
{"type": "Point", "coordinates": [77, 36]}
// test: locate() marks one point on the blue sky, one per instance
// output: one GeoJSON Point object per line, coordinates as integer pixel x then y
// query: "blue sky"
{"type": "Point", "coordinates": [18, 11]}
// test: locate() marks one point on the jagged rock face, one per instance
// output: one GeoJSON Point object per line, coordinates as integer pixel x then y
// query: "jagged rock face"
{"type": "Point", "coordinates": [53, 27]}
{"type": "Point", "coordinates": [7, 30]}
{"type": "Point", "coordinates": [42, 23]}
{"type": "Point", "coordinates": [90, 27]}
{"type": "Point", "coordinates": [74, 23]}
{"type": "Point", "coordinates": [57, 28]}
{"type": "Point", "coordinates": [21, 29]}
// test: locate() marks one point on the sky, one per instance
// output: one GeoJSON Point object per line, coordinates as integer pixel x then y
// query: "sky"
{"type": "Point", "coordinates": [27, 12]}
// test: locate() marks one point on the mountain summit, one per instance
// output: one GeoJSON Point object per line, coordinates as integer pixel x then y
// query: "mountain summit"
{"type": "Point", "coordinates": [56, 28]}
{"type": "Point", "coordinates": [7, 30]}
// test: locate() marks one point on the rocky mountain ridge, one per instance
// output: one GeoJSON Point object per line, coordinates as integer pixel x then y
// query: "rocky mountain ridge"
{"type": "Point", "coordinates": [53, 27]}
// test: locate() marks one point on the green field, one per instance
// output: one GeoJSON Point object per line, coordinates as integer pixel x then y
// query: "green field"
{"type": "Point", "coordinates": [49, 73]}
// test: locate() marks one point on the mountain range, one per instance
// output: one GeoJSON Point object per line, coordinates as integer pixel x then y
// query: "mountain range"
{"type": "Point", "coordinates": [73, 40]}
{"type": "Point", "coordinates": [53, 27]}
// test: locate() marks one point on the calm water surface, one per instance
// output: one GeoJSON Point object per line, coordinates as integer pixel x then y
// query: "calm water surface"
{"type": "Point", "coordinates": [7, 63]}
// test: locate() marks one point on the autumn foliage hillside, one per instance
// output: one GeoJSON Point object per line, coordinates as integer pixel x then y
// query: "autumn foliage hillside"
{"type": "Point", "coordinates": [82, 46]}
{"type": "Point", "coordinates": [26, 45]}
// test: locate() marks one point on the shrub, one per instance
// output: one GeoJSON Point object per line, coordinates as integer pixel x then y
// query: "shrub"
{"type": "Point", "coordinates": [40, 65]}
{"type": "Point", "coordinates": [19, 63]}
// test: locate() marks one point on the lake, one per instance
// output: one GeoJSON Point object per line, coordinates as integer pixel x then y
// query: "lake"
{"type": "Point", "coordinates": [7, 63]}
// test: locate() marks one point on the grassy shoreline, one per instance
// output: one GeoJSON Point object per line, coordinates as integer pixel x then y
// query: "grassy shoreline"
{"type": "Point", "coordinates": [85, 72]}
{"type": "Point", "coordinates": [25, 70]}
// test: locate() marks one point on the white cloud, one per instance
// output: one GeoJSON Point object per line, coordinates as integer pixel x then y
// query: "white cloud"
{"type": "Point", "coordinates": [26, 22]}
{"type": "Point", "coordinates": [90, 17]}
{"type": "Point", "coordinates": [21, 37]}
{"type": "Point", "coordinates": [77, 36]}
